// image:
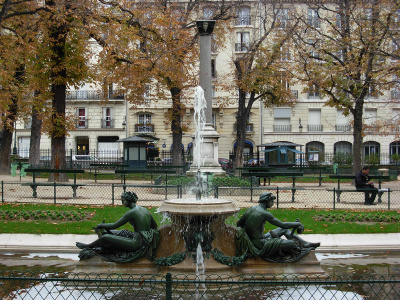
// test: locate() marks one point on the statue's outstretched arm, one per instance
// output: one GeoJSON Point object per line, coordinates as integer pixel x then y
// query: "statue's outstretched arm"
{"type": "Point", "coordinates": [122, 221]}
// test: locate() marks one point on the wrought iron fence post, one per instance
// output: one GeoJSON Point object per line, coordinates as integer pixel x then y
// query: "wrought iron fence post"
{"type": "Point", "coordinates": [251, 189]}
{"type": "Point", "coordinates": [55, 191]}
{"type": "Point", "coordinates": [2, 191]}
{"type": "Point", "coordinates": [112, 193]}
{"type": "Point", "coordinates": [388, 198]}
{"type": "Point", "coordinates": [277, 197]}
{"type": "Point", "coordinates": [168, 286]}
{"type": "Point", "coordinates": [334, 196]}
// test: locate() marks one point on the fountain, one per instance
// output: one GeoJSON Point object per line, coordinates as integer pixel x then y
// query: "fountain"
{"type": "Point", "coordinates": [198, 241]}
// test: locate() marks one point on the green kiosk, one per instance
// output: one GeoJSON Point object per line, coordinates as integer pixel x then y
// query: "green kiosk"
{"type": "Point", "coordinates": [135, 150]}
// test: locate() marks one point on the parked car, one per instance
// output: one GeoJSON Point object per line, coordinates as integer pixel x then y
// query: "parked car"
{"type": "Point", "coordinates": [84, 160]}
{"type": "Point", "coordinates": [225, 163]}
{"type": "Point", "coordinates": [45, 161]}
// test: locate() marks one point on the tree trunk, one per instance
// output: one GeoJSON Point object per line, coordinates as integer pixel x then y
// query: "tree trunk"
{"type": "Point", "coordinates": [34, 146]}
{"type": "Point", "coordinates": [8, 126]}
{"type": "Point", "coordinates": [6, 150]}
{"type": "Point", "coordinates": [357, 136]}
{"type": "Point", "coordinates": [176, 127]}
{"type": "Point", "coordinates": [241, 124]}
{"type": "Point", "coordinates": [58, 75]}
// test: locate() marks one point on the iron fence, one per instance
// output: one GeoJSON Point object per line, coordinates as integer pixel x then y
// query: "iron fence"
{"type": "Point", "coordinates": [35, 285]}
{"type": "Point", "coordinates": [154, 195]}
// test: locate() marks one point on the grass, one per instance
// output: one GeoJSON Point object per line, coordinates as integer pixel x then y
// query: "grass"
{"type": "Point", "coordinates": [74, 219]}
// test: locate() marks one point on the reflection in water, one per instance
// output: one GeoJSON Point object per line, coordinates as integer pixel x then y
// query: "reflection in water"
{"type": "Point", "coordinates": [348, 265]}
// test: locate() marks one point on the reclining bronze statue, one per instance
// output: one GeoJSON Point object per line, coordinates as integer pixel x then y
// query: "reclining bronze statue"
{"type": "Point", "coordinates": [124, 245]}
{"type": "Point", "coordinates": [250, 236]}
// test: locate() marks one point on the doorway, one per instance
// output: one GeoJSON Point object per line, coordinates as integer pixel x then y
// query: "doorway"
{"type": "Point", "coordinates": [82, 145]}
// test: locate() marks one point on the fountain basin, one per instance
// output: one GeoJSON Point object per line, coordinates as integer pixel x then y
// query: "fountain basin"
{"type": "Point", "coordinates": [203, 207]}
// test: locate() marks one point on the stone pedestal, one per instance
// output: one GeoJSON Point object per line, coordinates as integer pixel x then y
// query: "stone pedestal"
{"type": "Point", "coordinates": [209, 154]}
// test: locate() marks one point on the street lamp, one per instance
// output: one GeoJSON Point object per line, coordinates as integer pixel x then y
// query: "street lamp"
{"type": "Point", "coordinates": [14, 152]}
{"type": "Point", "coordinates": [205, 27]}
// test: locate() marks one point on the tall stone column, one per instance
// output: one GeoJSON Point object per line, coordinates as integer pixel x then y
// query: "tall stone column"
{"type": "Point", "coordinates": [210, 136]}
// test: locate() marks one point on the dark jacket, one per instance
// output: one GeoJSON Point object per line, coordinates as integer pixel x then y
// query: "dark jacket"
{"type": "Point", "coordinates": [361, 180]}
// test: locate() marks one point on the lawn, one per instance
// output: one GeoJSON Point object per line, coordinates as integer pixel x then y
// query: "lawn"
{"type": "Point", "coordinates": [74, 219]}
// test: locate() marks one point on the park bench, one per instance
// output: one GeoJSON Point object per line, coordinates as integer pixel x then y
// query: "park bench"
{"type": "Point", "coordinates": [35, 184]}
{"type": "Point", "coordinates": [338, 191]}
{"type": "Point", "coordinates": [307, 171]}
{"type": "Point", "coordinates": [124, 173]}
{"type": "Point", "coordinates": [98, 167]}
{"type": "Point", "coordinates": [270, 175]}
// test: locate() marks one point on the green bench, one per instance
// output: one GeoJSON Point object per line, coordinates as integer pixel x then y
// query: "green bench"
{"type": "Point", "coordinates": [98, 167]}
{"type": "Point", "coordinates": [35, 184]}
{"type": "Point", "coordinates": [126, 172]}
{"type": "Point", "coordinates": [312, 169]}
{"type": "Point", "coordinates": [270, 175]}
{"type": "Point", "coordinates": [338, 191]}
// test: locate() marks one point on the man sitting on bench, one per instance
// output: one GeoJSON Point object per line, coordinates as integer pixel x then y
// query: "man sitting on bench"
{"type": "Point", "coordinates": [362, 183]}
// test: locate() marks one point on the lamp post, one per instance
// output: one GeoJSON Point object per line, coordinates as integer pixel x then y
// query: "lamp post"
{"type": "Point", "coordinates": [206, 28]}
{"type": "Point", "coordinates": [15, 152]}
{"type": "Point", "coordinates": [209, 150]}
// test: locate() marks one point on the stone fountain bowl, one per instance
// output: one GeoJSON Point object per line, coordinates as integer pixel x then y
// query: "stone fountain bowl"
{"type": "Point", "coordinates": [194, 207]}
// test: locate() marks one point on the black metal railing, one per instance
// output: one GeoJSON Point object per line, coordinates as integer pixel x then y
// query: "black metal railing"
{"type": "Point", "coordinates": [242, 47]}
{"type": "Point", "coordinates": [144, 128]}
{"type": "Point", "coordinates": [315, 128]}
{"type": "Point", "coordinates": [282, 128]}
{"type": "Point", "coordinates": [93, 95]}
{"type": "Point", "coordinates": [107, 123]}
{"type": "Point", "coordinates": [343, 128]}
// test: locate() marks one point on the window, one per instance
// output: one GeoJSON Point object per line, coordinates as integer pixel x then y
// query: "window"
{"type": "Point", "coordinates": [371, 149]}
{"type": "Point", "coordinates": [28, 123]}
{"type": "Point", "coordinates": [213, 121]}
{"type": "Point", "coordinates": [213, 69]}
{"type": "Point", "coordinates": [146, 95]}
{"type": "Point", "coordinates": [314, 120]}
{"type": "Point", "coordinates": [208, 13]}
{"type": "Point", "coordinates": [243, 42]}
{"type": "Point", "coordinates": [144, 123]}
{"type": "Point", "coordinates": [282, 120]}
{"type": "Point", "coordinates": [342, 122]}
{"type": "Point", "coordinates": [395, 92]}
{"type": "Point", "coordinates": [312, 18]}
{"type": "Point", "coordinates": [395, 149]}
{"type": "Point", "coordinates": [370, 117]}
{"type": "Point", "coordinates": [343, 148]}
{"type": "Point", "coordinates": [82, 118]}
{"type": "Point", "coordinates": [313, 92]}
{"type": "Point", "coordinates": [243, 17]}
{"type": "Point", "coordinates": [282, 18]}
{"type": "Point", "coordinates": [284, 53]}
{"type": "Point", "coordinates": [107, 121]}
{"type": "Point", "coordinates": [313, 50]}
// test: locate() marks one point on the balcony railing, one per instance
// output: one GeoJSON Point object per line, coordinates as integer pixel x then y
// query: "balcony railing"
{"type": "Point", "coordinates": [315, 128]}
{"type": "Point", "coordinates": [92, 95]}
{"type": "Point", "coordinates": [282, 128]}
{"type": "Point", "coordinates": [249, 127]}
{"type": "Point", "coordinates": [82, 123]}
{"type": "Point", "coordinates": [108, 123]}
{"type": "Point", "coordinates": [243, 21]}
{"type": "Point", "coordinates": [343, 128]}
{"type": "Point", "coordinates": [242, 47]}
{"type": "Point", "coordinates": [144, 128]}
{"type": "Point", "coordinates": [395, 94]}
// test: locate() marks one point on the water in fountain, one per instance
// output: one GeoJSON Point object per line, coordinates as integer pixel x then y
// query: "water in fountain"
{"type": "Point", "coordinates": [200, 105]}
